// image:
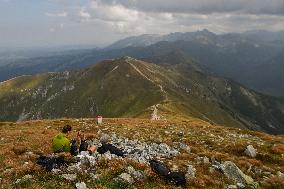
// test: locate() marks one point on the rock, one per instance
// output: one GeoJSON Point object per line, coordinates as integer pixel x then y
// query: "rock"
{"type": "Point", "coordinates": [257, 171]}
{"type": "Point", "coordinates": [174, 168]}
{"type": "Point", "coordinates": [10, 170]}
{"type": "Point", "coordinates": [137, 175]}
{"type": "Point", "coordinates": [55, 171]}
{"type": "Point", "coordinates": [27, 177]}
{"type": "Point", "coordinates": [250, 151]}
{"type": "Point", "coordinates": [17, 181]}
{"type": "Point", "coordinates": [267, 173]}
{"type": "Point", "coordinates": [185, 147]}
{"type": "Point", "coordinates": [70, 177]}
{"type": "Point", "coordinates": [180, 134]}
{"type": "Point", "coordinates": [206, 160]}
{"type": "Point", "coordinates": [104, 138]}
{"type": "Point", "coordinates": [74, 168]}
{"type": "Point", "coordinates": [126, 178]}
{"type": "Point", "coordinates": [279, 174]}
{"type": "Point", "coordinates": [233, 173]}
{"type": "Point", "coordinates": [241, 185]}
{"type": "Point", "coordinates": [232, 187]}
{"type": "Point", "coordinates": [191, 171]}
{"type": "Point", "coordinates": [81, 185]}
{"type": "Point", "coordinates": [211, 170]}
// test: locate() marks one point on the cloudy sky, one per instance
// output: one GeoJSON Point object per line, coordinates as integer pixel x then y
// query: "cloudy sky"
{"type": "Point", "coordinates": [34, 23]}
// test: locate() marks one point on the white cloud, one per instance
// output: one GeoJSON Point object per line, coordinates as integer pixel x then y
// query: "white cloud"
{"type": "Point", "coordinates": [60, 14]}
{"type": "Point", "coordinates": [84, 15]}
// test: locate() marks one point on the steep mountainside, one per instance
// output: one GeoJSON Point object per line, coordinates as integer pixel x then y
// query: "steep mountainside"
{"type": "Point", "coordinates": [127, 87]}
{"type": "Point", "coordinates": [241, 57]}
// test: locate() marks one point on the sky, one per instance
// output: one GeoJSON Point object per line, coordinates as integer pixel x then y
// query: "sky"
{"type": "Point", "coordinates": [48, 23]}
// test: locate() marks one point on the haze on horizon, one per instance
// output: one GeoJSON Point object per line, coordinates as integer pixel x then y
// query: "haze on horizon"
{"type": "Point", "coordinates": [47, 23]}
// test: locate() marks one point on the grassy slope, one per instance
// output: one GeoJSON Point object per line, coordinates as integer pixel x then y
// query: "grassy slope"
{"type": "Point", "coordinates": [129, 88]}
{"type": "Point", "coordinates": [204, 139]}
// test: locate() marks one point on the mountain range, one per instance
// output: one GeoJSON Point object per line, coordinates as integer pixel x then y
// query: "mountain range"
{"type": "Point", "coordinates": [128, 87]}
{"type": "Point", "coordinates": [253, 59]}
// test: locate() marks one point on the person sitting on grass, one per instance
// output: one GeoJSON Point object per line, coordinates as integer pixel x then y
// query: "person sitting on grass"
{"type": "Point", "coordinates": [60, 143]}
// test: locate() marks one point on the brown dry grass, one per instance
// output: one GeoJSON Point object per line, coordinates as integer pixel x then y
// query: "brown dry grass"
{"type": "Point", "coordinates": [16, 139]}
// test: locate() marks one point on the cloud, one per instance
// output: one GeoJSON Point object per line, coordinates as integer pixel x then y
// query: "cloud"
{"type": "Point", "coordinates": [60, 14]}
{"type": "Point", "coordinates": [203, 6]}
{"type": "Point", "coordinates": [84, 15]}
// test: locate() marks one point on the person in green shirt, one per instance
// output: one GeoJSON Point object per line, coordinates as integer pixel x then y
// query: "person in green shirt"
{"type": "Point", "coordinates": [60, 143]}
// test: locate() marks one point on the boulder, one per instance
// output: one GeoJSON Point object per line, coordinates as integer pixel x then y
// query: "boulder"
{"type": "Point", "coordinates": [185, 147]}
{"type": "Point", "coordinates": [191, 171]}
{"type": "Point", "coordinates": [232, 187]}
{"type": "Point", "coordinates": [206, 160]}
{"type": "Point", "coordinates": [70, 177]}
{"type": "Point", "coordinates": [26, 177]}
{"type": "Point", "coordinates": [104, 138]}
{"type": "Point", "coordinates": [233, 173]}
{"type": "Point", "coordinates": [137, 175]}
{"type": "Point", "coordinates": [125, 177]}
{"type": "Point", "coordinates": [81, 185]}
{"type": "Point", "coordinates": [250, 151]}
{"type": "Point", "coordinates": [280, 175]}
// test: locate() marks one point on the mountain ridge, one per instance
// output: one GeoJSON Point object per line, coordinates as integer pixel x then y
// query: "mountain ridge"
{"type": "Point", "coordinates": [127, 87]}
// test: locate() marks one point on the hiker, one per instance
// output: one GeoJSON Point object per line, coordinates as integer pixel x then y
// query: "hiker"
{"type": "Point", "coordinates": [60, 143]}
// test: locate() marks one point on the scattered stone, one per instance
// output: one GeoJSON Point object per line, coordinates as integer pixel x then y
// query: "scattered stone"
{"type": "Point", "coordinates": [137, 175]}
{"type": "Point", "coordinates": [267, 173]}
{"type": "Point", "coordinates": [17, 181]}
{"type": "Point", "coordinates": [181, 134]}
{"type": "Point", "coordinates": [104, 138]}
{"type": "Point", "coordinates": [206, 160]}
{"type": "Point", "coordinates": [55, 171]}
{"type": "Point", "coordinates": [70, 177]}
{"type": "Point", "coordinates": [233, 173]}
{"type": "Point", "coordinates": [185, 147]}
{"type": "Point", "coordinates": [257, 171]}
{"type": "Point", "coordinates": [241, 185]}
{"type": "Point", "coordinates": [26, 177]}
{"type": "Point", "coordinates": [250, 151]}
{"type": "Point", "coordinates": [279, 174]}
{"type": "Point", "coordinates": [126, 178]}
{"type": "Point", "coordinates": [174, 168]}
{"type": "Point", "coordinates": [81, 185]}
{"type": "Point", "coordinates": [232, 187]}
{"type": "Point", "coordinates": [211, 170]}
{"type": "Point", "coordinates": [10, 170]}
{"type": "Point", "coordinates": [191, 171]}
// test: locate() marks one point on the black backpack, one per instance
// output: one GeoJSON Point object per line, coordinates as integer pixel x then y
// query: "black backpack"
{"type": "Point", "coordinates": [74, 148]}
{"type": "Point", "coordinates": [159, 168]}
{"type": "Point", "coordinates": [50, 163]}
{"type": "Point", "coordinates": [83, 146]}
{"type": "Point", "coordinates": [111, 148]}
{"type": "Point", "coordinates": [178, 178]}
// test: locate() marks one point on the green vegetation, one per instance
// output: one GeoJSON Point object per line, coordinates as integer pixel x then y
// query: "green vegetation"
{"type": "Point", "coordinates": [127, 87]}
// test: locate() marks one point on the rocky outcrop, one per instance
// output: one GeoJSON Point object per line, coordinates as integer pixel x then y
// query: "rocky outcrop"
{"type": "Point", "coordinates": [234, 174]}
{"type": "Point", "coordinates": [250, 151]}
